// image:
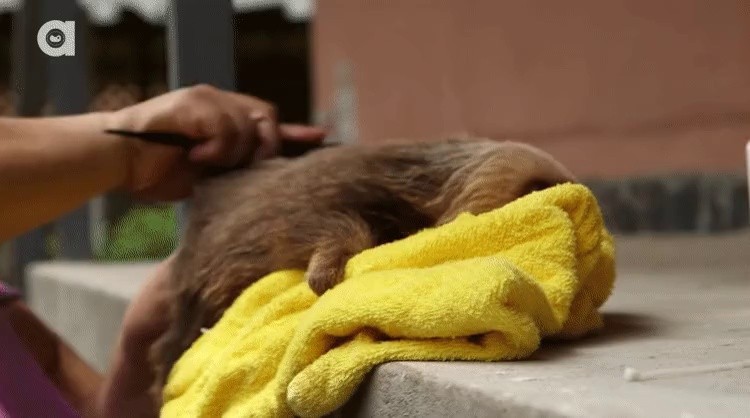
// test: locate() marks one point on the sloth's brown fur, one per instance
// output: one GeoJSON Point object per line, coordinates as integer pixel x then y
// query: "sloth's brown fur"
{"type": "Point", "coordinates": [316, 212]}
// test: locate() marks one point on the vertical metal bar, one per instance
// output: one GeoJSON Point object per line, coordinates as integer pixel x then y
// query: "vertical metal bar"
{"type": "Point", "coordinates": [200, 43]}
{"type": "Point", "coordinates": [69, 94]}
{"type": "Point", "coordinates": [200, 49]}
{"type": "Point", "coordinates": [30, 69]}
{"type": "Point", "coordinates": [29, 79]}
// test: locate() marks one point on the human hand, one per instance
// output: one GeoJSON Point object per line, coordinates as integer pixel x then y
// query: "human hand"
{"type": "Point", "coordinates": [146, 316]}
{"type": "Point", "coordinates": [231, 129]}
{"type": "Point", "coordinates": [127, 386]}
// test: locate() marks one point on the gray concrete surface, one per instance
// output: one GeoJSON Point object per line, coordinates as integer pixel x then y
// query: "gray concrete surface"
{"type": "Point", "coordinates": [679, 301]}
{"type": "Point", "coordinates": [85, 302]}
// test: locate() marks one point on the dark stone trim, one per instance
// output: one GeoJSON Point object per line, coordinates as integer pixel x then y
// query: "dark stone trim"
{"type": "Point", "coordinates": [674, 203]}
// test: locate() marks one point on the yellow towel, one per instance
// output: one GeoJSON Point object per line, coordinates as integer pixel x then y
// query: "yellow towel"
{"type": "Point", "coordinates": [485, 287]}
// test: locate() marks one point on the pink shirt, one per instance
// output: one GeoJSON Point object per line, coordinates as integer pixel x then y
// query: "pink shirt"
{"type": "Point", "coordinates": [24, 389]}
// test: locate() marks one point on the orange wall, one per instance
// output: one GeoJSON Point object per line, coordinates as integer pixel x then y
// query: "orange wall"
{"type": "Point", "coordinates": [612, 88]}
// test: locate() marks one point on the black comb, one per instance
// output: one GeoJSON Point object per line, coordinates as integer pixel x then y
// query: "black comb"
{"type": "Point", "coordinates": [163, 138]}
{"type": "Point", "coordinates": [289, 148]}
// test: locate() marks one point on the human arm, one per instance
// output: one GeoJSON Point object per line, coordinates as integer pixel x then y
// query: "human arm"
{"type": "Point", "coordinates": [126, 389]}
{"type": "Point", "coordinates": [49, 166]}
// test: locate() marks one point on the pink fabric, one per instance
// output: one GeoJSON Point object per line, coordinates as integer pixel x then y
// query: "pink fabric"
{"type": "Point", "coordinates": [24, 389]}
{"type": "Point", "coordinates": [7, 293]}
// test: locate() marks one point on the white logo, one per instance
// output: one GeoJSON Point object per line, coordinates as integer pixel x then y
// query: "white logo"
{"type": "Point", "coordinates": [57, 38]}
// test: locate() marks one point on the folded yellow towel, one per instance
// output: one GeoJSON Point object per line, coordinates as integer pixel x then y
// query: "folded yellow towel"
{"type": "Point", "coordinates": [485, 287]}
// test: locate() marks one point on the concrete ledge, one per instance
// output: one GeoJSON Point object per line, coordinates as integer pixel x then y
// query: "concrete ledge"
{"type": "Point", "coordinates": [679, 301]}
{"type": "Point", "coordinates": [85, 302]}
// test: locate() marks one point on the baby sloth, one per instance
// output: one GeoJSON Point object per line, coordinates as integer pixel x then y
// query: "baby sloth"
{"type": "Point", "coordinates": [316, 212]}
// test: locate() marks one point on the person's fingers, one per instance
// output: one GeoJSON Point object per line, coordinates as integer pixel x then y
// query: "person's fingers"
{"type": "Point", "coordinates": [227, 138]}
{"type": "Point", "coordinates": [230, 128]}
{"type": "Point", "coordinates": [265, 117]}
{"type": "Point", "coordinates": [251, 103]}
{"type": "Point", "coordinates": [222, 152]}
{"type": "Point", "coordinates": [246, 143]}
{"type": "Point", "coordinates": [208, 151]}
{"type": "Point", "coordinates": [267, 135]}
{"type": "Point", "coordinates": [178, 184]}
{"type": "Point", "coordinates": [295, 132]}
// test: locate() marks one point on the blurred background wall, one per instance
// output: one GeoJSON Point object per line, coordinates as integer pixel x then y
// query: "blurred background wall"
{"type": "Point", "coordinates": [649, 102]}
{"type": "Point", "coordinates": [126, 62]}
{"type": "Point", "coordinates": [624, 80]}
